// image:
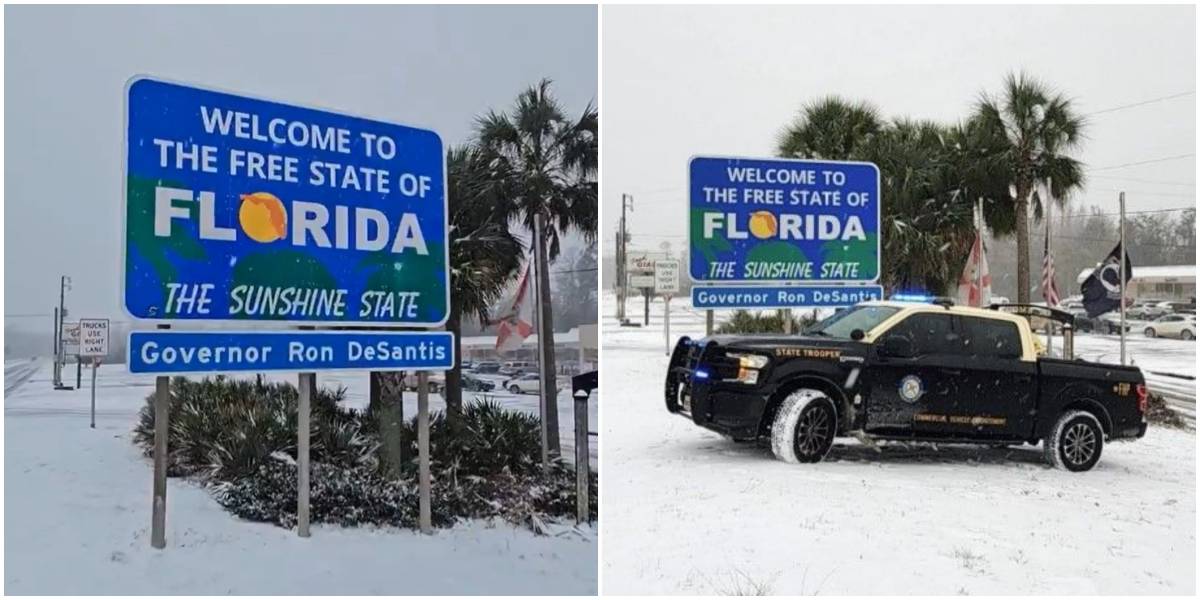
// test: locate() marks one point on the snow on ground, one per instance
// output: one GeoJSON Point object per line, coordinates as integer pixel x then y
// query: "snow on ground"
{"type": "Point", "coordinates": [687, 511]}
{"type": "Point", "coordinates": [77, 516]}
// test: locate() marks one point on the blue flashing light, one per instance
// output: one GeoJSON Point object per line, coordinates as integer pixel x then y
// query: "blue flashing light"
{"type": "Point", "coordinates": [913, 298]}
{"type": "Point", "coordinates": [700, 374]}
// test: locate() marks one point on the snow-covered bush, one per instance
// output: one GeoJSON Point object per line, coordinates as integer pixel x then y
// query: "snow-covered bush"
{"type": "Point", "coordinates": [744, 321]}
{"type": "Point", "coordinates": [239, 437]}
{"type": "Point", "coordinates": [224, 429]}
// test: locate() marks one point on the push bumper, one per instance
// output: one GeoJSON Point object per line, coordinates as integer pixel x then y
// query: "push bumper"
{"type": "Point", "coordinates": [730, 409]}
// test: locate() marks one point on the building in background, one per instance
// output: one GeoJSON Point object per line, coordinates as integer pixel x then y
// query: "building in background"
{"type": "Point", "coordinates": [1170, 282]}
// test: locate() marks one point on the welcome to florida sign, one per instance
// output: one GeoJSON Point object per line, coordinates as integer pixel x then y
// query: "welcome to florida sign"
{"type": "Point", "coordinates": [776, 220]}
{"type": "Point", "coordinates": [245, 209]}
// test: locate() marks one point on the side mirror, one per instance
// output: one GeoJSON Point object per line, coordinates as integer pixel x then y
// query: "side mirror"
{"type": "Point", "coordinates": [897, 346]}
{"type": "Point", "coordinates": [857, 335]}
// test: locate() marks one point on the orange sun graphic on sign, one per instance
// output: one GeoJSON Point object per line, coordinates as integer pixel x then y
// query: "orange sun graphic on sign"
{"type": "Point", "coordinates": [262, 217]}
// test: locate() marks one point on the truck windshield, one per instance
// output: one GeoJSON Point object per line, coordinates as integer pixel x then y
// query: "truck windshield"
{"type": "Point", "coordinates": [841, 323]}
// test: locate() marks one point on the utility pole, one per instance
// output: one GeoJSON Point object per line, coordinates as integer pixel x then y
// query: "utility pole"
{"type": "Point", "coordinates": [54, 350]}
{"type": "Point", "coordinates": [64, 284]}
{"type": "Point", "coordinates": [622, 276]}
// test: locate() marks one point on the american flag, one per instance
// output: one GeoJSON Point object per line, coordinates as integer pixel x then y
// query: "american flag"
{"type": "Point", "coordinates": [1049, 289]}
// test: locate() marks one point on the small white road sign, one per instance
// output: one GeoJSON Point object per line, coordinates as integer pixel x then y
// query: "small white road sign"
{"type": "Point", "coordinates": [666, 276]}
{"type": "Point", "coordinates": [93, 337]}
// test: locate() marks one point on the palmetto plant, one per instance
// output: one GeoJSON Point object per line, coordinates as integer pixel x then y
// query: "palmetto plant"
{"type": "Point", "coordinates": [1028, 131]}
{"type": "Point", "coordinates": [484, 255]}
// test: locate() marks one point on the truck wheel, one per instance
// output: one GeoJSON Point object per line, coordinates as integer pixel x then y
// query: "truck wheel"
{"type": "Point", "coordinates": [1149, 332]}
{"type": "Point", "coordinates": [1075, 442]}
{"type": "Point", "coordinates": [804, 427]}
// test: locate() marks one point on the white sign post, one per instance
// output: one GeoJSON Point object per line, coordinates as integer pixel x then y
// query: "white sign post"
{"type": "Point", "coordinates": [93, 343]}
{"type": "Point", "coordinates": [666, 282]}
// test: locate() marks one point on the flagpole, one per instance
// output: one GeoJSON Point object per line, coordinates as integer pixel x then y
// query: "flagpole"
{"type": "Point", "coordinates": [1045, 254]}
{"type": "Point", "coordinates": [979, 258]}
{"type": "Point", "coordinates": [1121, 259]}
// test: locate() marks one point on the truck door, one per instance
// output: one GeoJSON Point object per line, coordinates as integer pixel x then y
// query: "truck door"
{"type": "Point", "coordinates": [908, 391]}
{"type": "Point", "coordinates": [999, 387]}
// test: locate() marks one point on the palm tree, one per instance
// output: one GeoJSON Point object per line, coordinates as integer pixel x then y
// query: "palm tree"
{"type": "Point", "coordinates": [926, 220]}
{"type": "Point", "coordinates": [1031, 129]}
{"type": "Point", "coordinates": [831, 128]}
{"type": "Point", "coordinates": [484, 255]}
{"type": "Point", "coordinates": [543, 163]}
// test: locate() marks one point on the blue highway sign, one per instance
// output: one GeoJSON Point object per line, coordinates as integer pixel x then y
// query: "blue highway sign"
{"type": "Point", "coordinates": [177, 352]}
{"type": "Point", "coordinates": [800, 296]}
{"type": "Point", "coordinates": [251, 210]}
{"type": "Point", "coordinates": [777, 220]}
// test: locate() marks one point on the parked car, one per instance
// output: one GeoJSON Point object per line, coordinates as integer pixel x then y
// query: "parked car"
{"type": "Point", "coordinates": [1145, 309]}
{"type": "Point", "coordinates": [529, 383]}
{"type": "Point", "coordinates": [487, 366]}
{"type": "Point", "coordinates": [437, 381]}
{"type": "Point", "coordinates": [1176, 307]}
{"type": "Point", "coordinates": [473, 384]}
{"type": "Point", "coordinates": [1173, 326]}
{"type": "Point", "coordinates": [904, 371]}
{"type": "Point", "coordinates": [513, 368]}
{"type": "Point", "coordinates": [466, 365]}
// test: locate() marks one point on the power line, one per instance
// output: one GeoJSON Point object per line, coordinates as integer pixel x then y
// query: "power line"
{"type": "Point", "coordinates": [1142, 192]}
{"type": "Point", "coordinates": [1143, 162]}
{"type": "Point", "coordinates": [1128, 212]}
{"type": "Point", "coordinates": [1142, 103]}
{"type": "Point", "coordinates": [1156, 181]}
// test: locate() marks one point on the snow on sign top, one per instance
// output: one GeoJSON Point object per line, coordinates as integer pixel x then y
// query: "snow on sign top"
{"type": "Point", "coordinates": [250, 210]}
{"type": "Point", "coordinates": [93, 337]}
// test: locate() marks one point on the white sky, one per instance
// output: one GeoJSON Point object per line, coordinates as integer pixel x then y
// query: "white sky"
{"type": "Point", "coordinates": [65, 69]}
{"type": "Point", "coordinates": [680, 81]}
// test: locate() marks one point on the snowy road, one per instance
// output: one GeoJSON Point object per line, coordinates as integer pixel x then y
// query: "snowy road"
{"type": "Point", "coordinates": [77, 515]}
{"type": "Point", "coordinates": [687, 511]}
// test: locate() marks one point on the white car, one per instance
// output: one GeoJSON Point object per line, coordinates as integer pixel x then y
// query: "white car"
{"type": "Point", "coordinates": [1175, 326]}
{"type": "Point", "coordinates": [529, 383]}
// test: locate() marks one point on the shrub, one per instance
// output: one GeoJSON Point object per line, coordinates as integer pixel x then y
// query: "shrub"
{"type": "Point", "coordinates": [744, 321]}
{"type": "Point", "coordinates": [239, 437]}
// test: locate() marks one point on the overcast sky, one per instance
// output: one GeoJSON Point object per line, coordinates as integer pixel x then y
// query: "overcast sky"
{"type": "Point", "coordinates": [680, 81]}
{"type": "Point", "coordinates": [65, 69]}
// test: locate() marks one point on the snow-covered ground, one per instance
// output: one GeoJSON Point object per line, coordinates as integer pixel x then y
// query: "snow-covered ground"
{"type": "Point", "coordinates": [77, 516]}
{"type": "Point", "coordinates": [687, 511]}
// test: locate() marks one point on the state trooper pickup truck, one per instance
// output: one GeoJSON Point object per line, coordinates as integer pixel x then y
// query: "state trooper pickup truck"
{"type": "Point", "coordinates": [908, 371]}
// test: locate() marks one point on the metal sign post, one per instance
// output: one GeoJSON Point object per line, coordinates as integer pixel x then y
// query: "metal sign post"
{"type": "Point", "coordinates": [667, 322]}
{"type": "Point", "coordinates": [162, 406]}
{"type": "Point", "coordinates": [95, 367]}
{"type": "Point", "coordinates": [423, 483]}
{"type": "Point", "coordinates": [308, 383]}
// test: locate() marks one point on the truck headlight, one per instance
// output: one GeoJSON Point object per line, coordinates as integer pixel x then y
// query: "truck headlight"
{"type": "Point", "coordinates": [748, 366]}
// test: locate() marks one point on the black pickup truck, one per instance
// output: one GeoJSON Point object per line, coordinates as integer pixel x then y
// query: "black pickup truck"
{"type": "Point", "coordinates": [907, 371]}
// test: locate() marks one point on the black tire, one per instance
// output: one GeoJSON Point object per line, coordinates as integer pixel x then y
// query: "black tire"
{"type": "Point", "coordinates": [1187, 334]}
{"type": "Point", "coordinates": [1075, 442]}
{"type": "Point", "coordinates": [514, 389]}
{"type": "Point", "coordinates": [804, 427]}
{"type": "Point", "coordinates": [1150, 332]}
